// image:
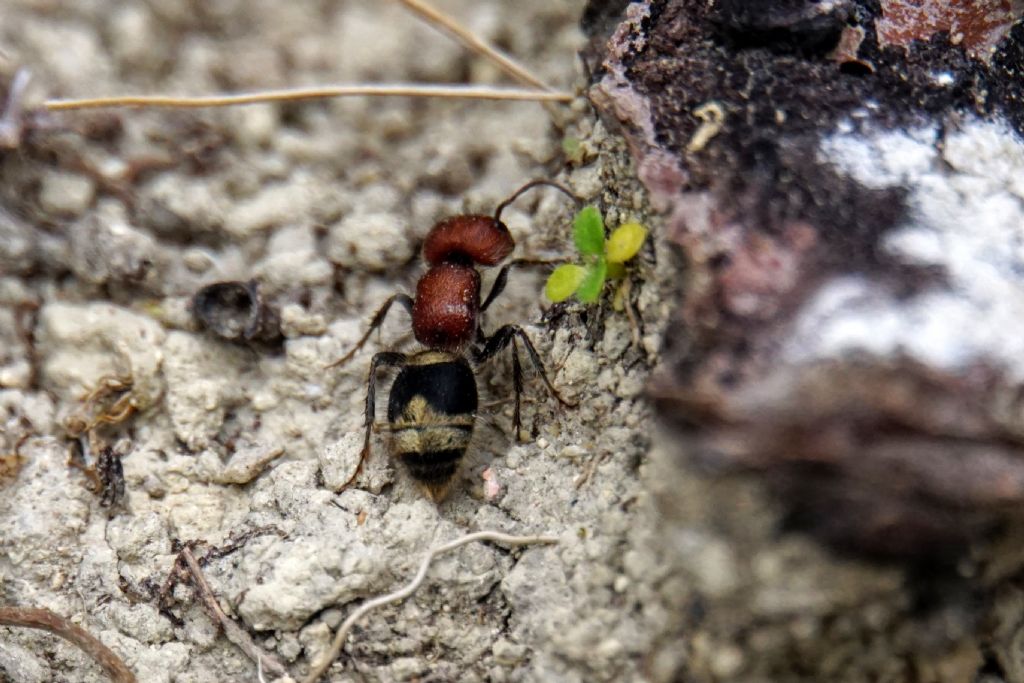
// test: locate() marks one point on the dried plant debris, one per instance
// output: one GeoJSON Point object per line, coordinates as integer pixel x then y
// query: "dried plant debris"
{"type": "Point", "coordinates": [45, 620]}
{"type": "Point", "coordinates": [111, 476]}
{"type": "Point", "coordinates": [188, 568]}
{"type": "Point", "coordinates": [104, 408]}
{"type": "Point", "coordinates": [12, 462]}
{"type": "Point", "coordinates": [110, 403]}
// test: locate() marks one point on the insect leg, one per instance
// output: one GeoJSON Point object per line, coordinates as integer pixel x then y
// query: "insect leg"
{"type": "Point", "coordinates": [498, 341]}
{"type": "Point", "coordinates": [386, 359]}
{"type": "Point", "coordinates": [378, 319]}
{"type": "Point", "coordinates": [530, 185]}
{"type": "Point", "coordinates": [499, 282]}
{"type": "Point", "coordinates": [517, 384]}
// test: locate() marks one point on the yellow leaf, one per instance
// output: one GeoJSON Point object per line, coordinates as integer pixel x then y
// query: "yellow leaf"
{"type": "Point", "coordinates": [564, 282]}
{"type": "Point", "coordinates": [625, 242]}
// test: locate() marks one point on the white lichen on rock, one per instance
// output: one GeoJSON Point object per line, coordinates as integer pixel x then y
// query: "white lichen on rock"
{"type": "Point", "coordinates": [966, 197]}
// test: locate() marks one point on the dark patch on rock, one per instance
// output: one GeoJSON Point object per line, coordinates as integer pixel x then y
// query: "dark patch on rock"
{"type": "Point", "coordinates": [772, 93]}
{"type": "Point", "coordinates": [783, 26]}
{"type": "Point", "coordinates": [784, 184]}
{"type": "Point", "coordinates": [765, 61]}
{"type": "Point", "coordinates": [1006, 82]}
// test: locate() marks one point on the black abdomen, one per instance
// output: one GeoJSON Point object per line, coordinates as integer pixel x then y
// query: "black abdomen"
{"type": "Point", "coordinates": [431, 409]}
{"type": "Point", "coordinates": [447, 386]}
{"type": "Point", "coordinates": [435, 468]}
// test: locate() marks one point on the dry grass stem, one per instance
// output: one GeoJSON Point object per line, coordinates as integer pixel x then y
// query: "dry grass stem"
{"type": "Point", "coordinates": [232, 631]}
{"type": "Point", "coordinates": [402, 593]}
{"type": "Point", "coordinates": [462, 34]}
{"type": "Point", "coordinates": [455, 91]}
{"type": "Point", "coordinates": [45, 620]}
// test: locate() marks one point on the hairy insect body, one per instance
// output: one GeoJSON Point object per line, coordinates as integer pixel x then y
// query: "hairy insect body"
{"type": "Point", "coordinates": [431, 412]}
{"type": "Point", "coordinates": [444, 313]}
{"type": "Point", "coordinates": [469, 238]}
{"type": "Point", "coordinates": [433, 400]}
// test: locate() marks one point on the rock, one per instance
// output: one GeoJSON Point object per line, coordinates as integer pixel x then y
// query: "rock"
{"type": "Point", "coordinates": [20, 664]}
{"type": "Point", "coordinates": [246, 464]}
{"type": "Point", "coordinates": [66, 194]}
{"type": "Point", "coordinates": [373, 241]}
{"type": "Point", "coordinates": [107, 249]}
{"type": "Point", "coordinates": [202, 384]}
{"type": "Point", "coordinates": [83, 343]}
{"type": "Point", "coordinates": [836, 357]}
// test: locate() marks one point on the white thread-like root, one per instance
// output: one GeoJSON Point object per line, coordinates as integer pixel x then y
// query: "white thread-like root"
{"type": "Point", "coordinates": [402, 593]}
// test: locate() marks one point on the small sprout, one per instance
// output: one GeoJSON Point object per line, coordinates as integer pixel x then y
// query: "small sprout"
{"type": "Point", "coordinates": [564, 282]}
{"type": "Point", "coordinates": [589, 290]}
{"type": "Point", "coordinates": [588, 231]}
{"type": "Point", "coordinates": [620, 296]}
{"type": "Point", "coordinates": [601, 259]}
{"type": "Point", "coordinates": [573, 149]}
{"type": "Point", "coordinates": [625, 242]}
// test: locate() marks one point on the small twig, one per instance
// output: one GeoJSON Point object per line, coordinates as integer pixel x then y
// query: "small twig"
{"type": "Point", "coordinates": [476, 92]}
{"type": "Point", "coordinates": [232, 631]}
{"type": "Point", "coordinates": [475, 43]}
{"type": "Point", "coordinates": [402, 593]}
{"type": "Point", "coordinates": [588, 470]}
{"type": "Point", "coordinates": [634, 323]}
{"type": "Point", "coordinates": [44, 619]}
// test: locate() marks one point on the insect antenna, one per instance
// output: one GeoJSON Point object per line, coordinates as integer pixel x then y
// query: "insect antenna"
{"type": "Point", "coordinates": [529, 186]}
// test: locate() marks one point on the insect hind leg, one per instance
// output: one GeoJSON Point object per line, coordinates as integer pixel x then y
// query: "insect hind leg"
{"type": "Point", "coordinates": [382, 359]}
{"type": "Point", "coordinates": [498, 342]}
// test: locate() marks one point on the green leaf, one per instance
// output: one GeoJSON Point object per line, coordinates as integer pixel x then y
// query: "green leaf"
{"type": "Point", "coordinates": [589, 290]}
{"type": "Point", "coordinates": [588, 231]}
{"type": "Point", "coordinates": [625, 242]}
{"type": "Point", "coordinates": [564, 282]}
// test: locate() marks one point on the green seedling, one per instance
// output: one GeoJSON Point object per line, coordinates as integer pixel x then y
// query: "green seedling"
{"type": "Point", "coordinates": [601, 259]}
{"type": "Point", "coordinates": [573, 149]}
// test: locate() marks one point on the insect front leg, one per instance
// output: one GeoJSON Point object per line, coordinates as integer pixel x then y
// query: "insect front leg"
{"type": "Point", "coordinates": [502, 279]}
{"type": "Point", "coordinates": [378, 319]}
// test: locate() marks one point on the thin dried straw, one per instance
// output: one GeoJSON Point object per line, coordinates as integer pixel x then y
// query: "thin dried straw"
{"type": "Point", "coordinates": [474, 92]}
{"type": "Point", "coordinates": [463, 35]}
